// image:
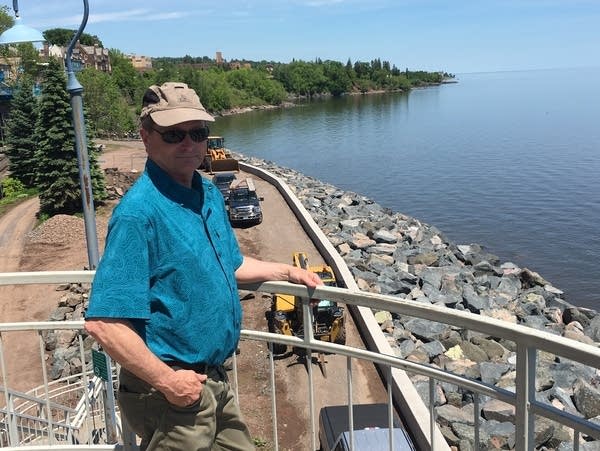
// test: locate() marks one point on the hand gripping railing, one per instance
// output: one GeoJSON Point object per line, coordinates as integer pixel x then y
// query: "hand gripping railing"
{"type": "Point", "coordinates": [528, 343]}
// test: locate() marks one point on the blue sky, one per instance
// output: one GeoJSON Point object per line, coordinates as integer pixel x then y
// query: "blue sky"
{"type": "Point", "coordinates": [455, 36]}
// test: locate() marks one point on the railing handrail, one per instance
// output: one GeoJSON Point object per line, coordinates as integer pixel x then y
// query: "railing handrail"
{"type": "Point", "coordinates": [525, 338]}
{"type": "Point", "coordinates": [534, 338]}
{"type": "Point", "coordinates": [34, 399]}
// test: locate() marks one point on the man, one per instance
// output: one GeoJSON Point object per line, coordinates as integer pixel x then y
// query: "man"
{"type": "Point", "coordinates": [164, 301]}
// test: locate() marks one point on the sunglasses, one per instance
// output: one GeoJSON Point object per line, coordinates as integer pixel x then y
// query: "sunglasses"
{"type": "Point", "coordinates": [175, 136]}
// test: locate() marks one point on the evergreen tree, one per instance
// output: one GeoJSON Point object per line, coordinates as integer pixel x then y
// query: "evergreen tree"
{"type": "Point", "coordinates": [21, 144]}
{"type": "Point", "coordinates": [58, 170]}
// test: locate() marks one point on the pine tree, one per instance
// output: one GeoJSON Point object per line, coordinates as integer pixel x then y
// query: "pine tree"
{"type": "Point", "coordinates": [58, 169]}
{"type": "Point", "coordinates": [21, 144]}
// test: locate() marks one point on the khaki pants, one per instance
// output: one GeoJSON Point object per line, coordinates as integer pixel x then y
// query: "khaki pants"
{"type": "Point", "coordinates": [212, 423]}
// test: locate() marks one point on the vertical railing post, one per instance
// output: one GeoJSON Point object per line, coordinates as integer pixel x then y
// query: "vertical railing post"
{"type": "Point", "coordinates": [273, 397]}
{"type": "Point", "coordinates": [46, 391]}
{"type": "Point", "coordinates": [110, 406]}
{"type": "Point", "coordinates": [13, 433]}
{"type": "Point", "coordinates": [390, 401]}
{"type": "Point", "coordinates": [350, 402]}
{"type": "Point", "coordinates": [476, 422]}
{"type": "Point", "coordinates": [525, 393]}
{"type": "Point", "coordinates": [432, 424]}
{"type": "Point", "coordinates": [308, 339]}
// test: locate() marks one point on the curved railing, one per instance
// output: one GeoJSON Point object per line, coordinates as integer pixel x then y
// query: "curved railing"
{"type": "Point", "coordinates": [528, 343]}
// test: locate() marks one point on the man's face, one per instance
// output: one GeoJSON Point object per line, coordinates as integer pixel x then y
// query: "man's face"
{"type": "Point", "coordinates": [179, 160]}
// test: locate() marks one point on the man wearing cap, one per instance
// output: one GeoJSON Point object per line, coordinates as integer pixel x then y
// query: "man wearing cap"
{"type": "Point", "coordinates": [164, 301]}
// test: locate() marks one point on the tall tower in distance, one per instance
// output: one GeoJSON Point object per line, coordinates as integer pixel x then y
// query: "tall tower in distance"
{"type": "Point", "coordinates": [219, 58]}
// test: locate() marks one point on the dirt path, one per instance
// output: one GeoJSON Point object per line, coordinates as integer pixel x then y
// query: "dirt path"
{"type": "Point", "coordinates": [14, 226]}
{"type": "Point", "coordinates": [276, 238]}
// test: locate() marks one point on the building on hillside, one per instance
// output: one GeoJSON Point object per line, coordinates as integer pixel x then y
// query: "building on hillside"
{"type": "Point", "coordinates": [83, 56]}
{"type": "Point", "coordinates": [96, 57]}
{"type": "Point", "coordinates": [140, 62]}
{"type": "Point", "coordinates": [233, 65]}
{"type": "Point", "coordinates": [52, 50]}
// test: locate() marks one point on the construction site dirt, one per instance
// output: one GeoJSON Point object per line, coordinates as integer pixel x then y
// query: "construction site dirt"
{"type": "Point", "coordinates": [276, 238]}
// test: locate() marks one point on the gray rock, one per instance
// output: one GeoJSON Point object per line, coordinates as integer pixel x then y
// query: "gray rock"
{"type": "Point", "coordinates": [385, 236]}
{"type": "Point", "coordinates": [451, 414]}
{"type": "Point", "coordinates": [60, 313]}
{"type": "Point", "coordinates": [492, 372]}
{"type": "Point", "coordinates": [498, 411]}
{"type": "Point", "coordinates": [544, 431]}
{"type": "Point", "coordinates": [474, 302]}
{"type": "Point", "coordinates": [593, 329]}
{"type": "Point", "coordinates": [494, 350]}
{"type": "Point", "coordinates": [473, 352]}
{"type": "Point", "coordinates": [422, 388]}
{"type": "Point", "coordinates": [406, 348]}
{"type": "Point", "coordinates": [423, 258]}
{"type": "Point", "coordinates": [586, 398]}
{"type": "Point", "coordinates": [425, 329]}
{"type": "Point", "coordinates": [499, 435]}
{"type": "Point", "coordinates": [433, 348]}
{"type": "Point", "coordinates": [509, 286]}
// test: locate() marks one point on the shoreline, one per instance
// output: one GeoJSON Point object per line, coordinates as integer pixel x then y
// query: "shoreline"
{"type": "Point", "coordinates": [314, 194]}
{"type": "Point", "coordinates": [394, 254]}
{"type": "Point", "coordinates": [290, 103]}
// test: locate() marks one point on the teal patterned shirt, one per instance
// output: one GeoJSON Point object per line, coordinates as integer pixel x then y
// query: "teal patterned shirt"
{"type": "Point", "coordinates": [168, 268]}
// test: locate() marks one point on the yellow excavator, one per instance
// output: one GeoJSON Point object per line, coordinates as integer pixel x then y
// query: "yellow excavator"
{"type": "Point", "coordinates": [218, 158]}
{"type": "Point", "coordinates": [285, 316]}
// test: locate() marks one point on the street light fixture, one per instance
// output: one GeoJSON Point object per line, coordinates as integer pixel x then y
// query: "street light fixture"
{"type": "Point", "coordinates": [20, 33]}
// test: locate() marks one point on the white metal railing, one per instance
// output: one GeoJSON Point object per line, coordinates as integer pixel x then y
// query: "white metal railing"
{"type": "Point", "coordinates": [55, 418]}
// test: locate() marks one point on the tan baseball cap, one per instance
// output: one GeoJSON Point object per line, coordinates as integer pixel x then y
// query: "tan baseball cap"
{"type": "Point", "coordinates": [173, 103]}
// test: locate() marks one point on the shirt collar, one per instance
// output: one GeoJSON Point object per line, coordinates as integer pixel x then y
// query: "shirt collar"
{"type": "Point", "coordinates": [187, 197]}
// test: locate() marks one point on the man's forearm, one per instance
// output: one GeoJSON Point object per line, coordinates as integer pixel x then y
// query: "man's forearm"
{"type": "Point", "coordinates": [253, 270]}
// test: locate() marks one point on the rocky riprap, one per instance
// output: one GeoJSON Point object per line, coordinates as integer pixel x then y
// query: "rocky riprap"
{"type": "Point", "coordinates": [393, 254]}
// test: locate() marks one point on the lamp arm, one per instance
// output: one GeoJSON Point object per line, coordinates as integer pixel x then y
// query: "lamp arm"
{"type": "Point", "coordinates": [16, 7]}
{"type": "Point", "coordinates": [86, 13]}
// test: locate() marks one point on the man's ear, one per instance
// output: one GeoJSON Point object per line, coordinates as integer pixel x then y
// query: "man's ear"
{"type": "Point", "coordinates": [144, 135]}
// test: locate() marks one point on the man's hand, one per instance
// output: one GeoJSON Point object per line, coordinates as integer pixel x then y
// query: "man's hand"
{"type": "Point", "coordinates": [304, 277]}
{"type": "Point", "coordinates": [184, 387]}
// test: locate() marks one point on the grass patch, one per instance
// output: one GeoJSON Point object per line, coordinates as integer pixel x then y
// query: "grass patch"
{"type": "Point", "coordinates": [8, 203]}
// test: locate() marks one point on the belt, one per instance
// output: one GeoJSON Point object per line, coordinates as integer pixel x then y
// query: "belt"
{"type": "Point", "coordinates": [200, 368]}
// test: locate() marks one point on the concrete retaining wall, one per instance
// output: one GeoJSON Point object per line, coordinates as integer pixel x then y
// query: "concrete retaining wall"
{"type": "Point", "coordinates": [408, 402]}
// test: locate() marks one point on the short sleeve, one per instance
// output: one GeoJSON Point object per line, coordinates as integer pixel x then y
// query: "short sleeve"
{"type": "Point", "coordinates": [120, 288]}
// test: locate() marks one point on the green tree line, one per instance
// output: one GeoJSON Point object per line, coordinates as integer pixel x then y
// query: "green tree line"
{"type": "Point", "coordinates": [113, 99]}
{"type": "Point", "coordinates": [39, 137]}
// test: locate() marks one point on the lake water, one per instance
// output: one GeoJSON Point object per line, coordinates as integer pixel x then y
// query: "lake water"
{"type": "Point", "coordinates": [507, 160]}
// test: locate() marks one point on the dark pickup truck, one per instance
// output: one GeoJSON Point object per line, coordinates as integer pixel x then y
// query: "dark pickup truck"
{"type": "Point", "coordinates": [244, 204]}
